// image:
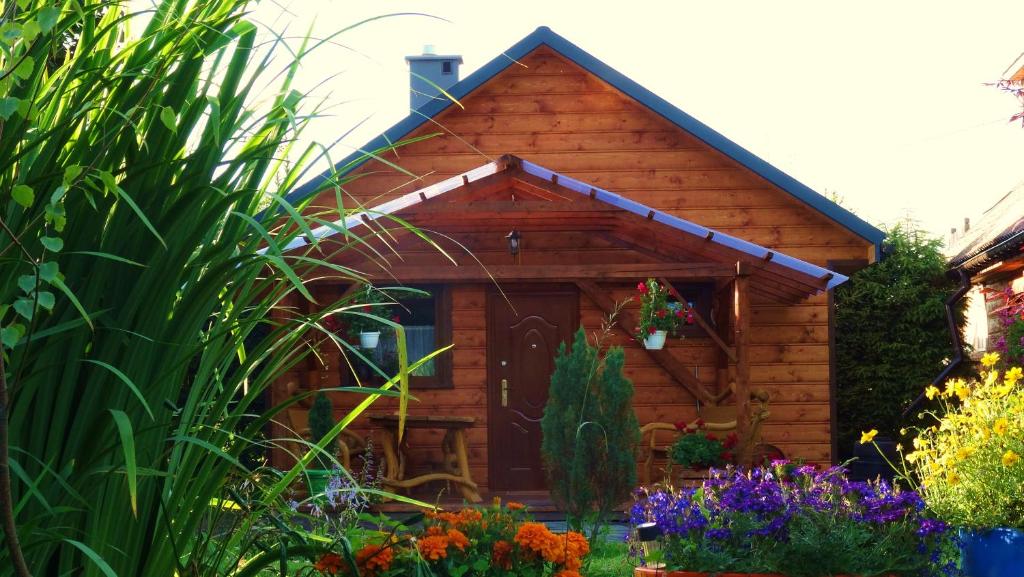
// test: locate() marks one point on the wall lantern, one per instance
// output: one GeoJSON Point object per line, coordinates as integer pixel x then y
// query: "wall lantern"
{"type": "Point", "coordinates": [649, 535]}
{"type": "Point", "coordinates": [513, 242]}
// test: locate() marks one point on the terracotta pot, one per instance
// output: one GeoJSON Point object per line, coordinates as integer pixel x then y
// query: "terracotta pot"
{"type": "Point", "coordinates": [656, 341]}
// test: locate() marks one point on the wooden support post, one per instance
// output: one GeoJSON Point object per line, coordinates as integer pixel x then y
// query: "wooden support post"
{"type": "Point", "coordinates": [741, 312]}
{"type": "Point", "coordinates": [673, 366]}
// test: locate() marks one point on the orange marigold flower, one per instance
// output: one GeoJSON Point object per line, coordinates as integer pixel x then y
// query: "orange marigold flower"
{"type": "Point", "coordinates": [514, 506]}
{"type": "Point", "coordinates": [534, 537]}
{"type": "Point", "coordinates": [501, 554]}
{"type": "Point", "coordinates": [467, 516]}
{"type": "Point", "coordinates": [577, 544]}
{"type": "Point", "coordinates": [330, 564]}
{"type": "Point", "coordinates": [434, 530]}
{"type": "Point", "coordinates": [457, 539]}
{"type": "Point", "coordinates": [433, 548]}
{"type": "Point", "coordinates": [567, 573]}
{"type": "Point", "coordinates": [373, 558]}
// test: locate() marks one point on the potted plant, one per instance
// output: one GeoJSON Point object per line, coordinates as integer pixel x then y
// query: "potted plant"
{"type": "Point", "coordinates": [321, 421]}
{"type": "Point", "coordinates": [967, 456]}
{"type": "Point", "coordinates": [788, 520]}
{"type": "Point", "coordinates": [698, 448]}
{"type": "Point", "coordinates": [658, 316]}
{"type": "Point", "coordinates": [364, 325]}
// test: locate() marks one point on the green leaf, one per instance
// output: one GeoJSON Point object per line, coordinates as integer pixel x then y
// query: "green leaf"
{"type": "Point", "coordinates": [48, 18]}
{"type": "Point", "coordinates": [30, 30]}
{"type": "Point", "coordinates": [48, 271]}
{"type": "Point", "coordinates": [10, 32]}
{"type": "Point", "coordinates": [94, 556]}
{"type": "Point", "coordinates": [24, 307]}
{"type": "Point", "coordinates": [169, 119]}
{"type": "Point", "coordinates": [8, 106]}
{"type": "Point", "coordinates": [27, 283]}
{"type": "Point", "coordinates": [124, 429]}
{"type": "Point", "coordinates": [11, 334]}
{"type": "Point", "coordinates": [57, 282]}
{"type": "Point", "coordinates": [25, 68]}
{"type": "Point", "coordinates": [111, 184]}
{"type": "Point", "coordinates": [23, 195]}
{"type": "Point", "coordinates": [58, 194]}
{"type": "Point", "coordinates": [46, 300]}
{"type": "Point", "coordinates": [108, 256]}
{"type": "Point", "coordinates": [124, 379]}
{"type": "Point", "coordinates": [52, 243]}
{"type": "Point", "coordinates": [71, 173]}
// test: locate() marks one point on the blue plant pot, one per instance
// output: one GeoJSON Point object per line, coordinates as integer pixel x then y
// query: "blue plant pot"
{"type": "Point", "coordinates": [992, 552]}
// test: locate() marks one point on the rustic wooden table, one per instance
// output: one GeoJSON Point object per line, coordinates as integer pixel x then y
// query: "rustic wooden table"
{"type": "Point", "coordinates": [453, 447]}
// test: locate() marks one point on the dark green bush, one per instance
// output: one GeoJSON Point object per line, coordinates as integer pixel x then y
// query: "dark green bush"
{"type": "Point", "coordinates": [891, 334]}
{"type": "Point", "coordinates": [321, 421]}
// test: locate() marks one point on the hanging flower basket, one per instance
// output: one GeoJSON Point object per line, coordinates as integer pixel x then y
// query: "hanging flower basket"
{"type": "Point", "coordinates": [369, 340]}
{"type": "Point", "coordinates": [655, 341]}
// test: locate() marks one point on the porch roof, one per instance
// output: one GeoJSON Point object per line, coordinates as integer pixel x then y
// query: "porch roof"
{"type": "Point", "coordinates": [802, 278]}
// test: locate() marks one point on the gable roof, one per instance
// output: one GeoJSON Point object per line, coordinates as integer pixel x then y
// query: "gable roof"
{"type": "Point", "coordinates": [545, 36]}
{"type": "Point", "coordinates": [769, 264]}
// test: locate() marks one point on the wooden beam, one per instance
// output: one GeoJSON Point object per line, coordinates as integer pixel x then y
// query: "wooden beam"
{"type": "Point", "coordinates": [741, 312]}
{"type": "Point", "coordinates": [711, 332]}
{"type": "Point", "coordinates": [551, 273]}
{"type": "Point", "coordinates": [673, 366]}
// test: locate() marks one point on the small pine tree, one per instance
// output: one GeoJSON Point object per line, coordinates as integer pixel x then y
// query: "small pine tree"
{"type": "Point", "coordinates": [590, 432]}
{"type": "Point", "coordinates": [321, 421]}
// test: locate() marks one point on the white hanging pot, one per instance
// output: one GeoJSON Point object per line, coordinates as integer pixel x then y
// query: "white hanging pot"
{"type": "Point", "coordinates": [656, 341]}
{"type": "Point", "coordinates": [370, 340]}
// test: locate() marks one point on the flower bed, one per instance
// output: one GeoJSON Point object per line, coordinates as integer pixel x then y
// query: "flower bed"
{"type": "Point", "coordinates": [494, 542]}
{"type": "Point", "coordinates": [792, 521]}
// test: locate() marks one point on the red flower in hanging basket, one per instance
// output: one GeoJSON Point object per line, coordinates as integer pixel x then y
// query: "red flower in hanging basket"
{"type": "Point", "coordinates": [651, 330]}
{"type": "Point", "coordinates": [642, 288]}
{"type": "Point", "coordinates": [661, 313]}
{"type": "Point", "coordinates": [679, 313]}
{"type": "Point", "coordinates": [731, 440]}
{"type": "Point", "coordinates": [699, 423]}
{"type": "Point", "coordinates": [396, 319]}
{"type": "Point", "coordinates": [710, 437]}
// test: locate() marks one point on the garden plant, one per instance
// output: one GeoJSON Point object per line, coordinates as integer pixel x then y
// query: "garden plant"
{"type": "Point", "coordinates": [150, 288]}
{"type": "Point", "coordinates": [794, 521]}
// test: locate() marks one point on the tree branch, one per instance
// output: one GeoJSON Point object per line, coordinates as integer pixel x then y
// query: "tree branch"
{"type": "Point", "coordinates": [6, 496]}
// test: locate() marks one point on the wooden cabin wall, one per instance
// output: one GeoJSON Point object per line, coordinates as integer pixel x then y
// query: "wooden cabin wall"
{"type": "Point", "coordinates": [553, 113]}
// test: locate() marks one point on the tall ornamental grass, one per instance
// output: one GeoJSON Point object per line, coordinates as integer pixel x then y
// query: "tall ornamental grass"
{"type": "Point", "coordinates": [138, 273]}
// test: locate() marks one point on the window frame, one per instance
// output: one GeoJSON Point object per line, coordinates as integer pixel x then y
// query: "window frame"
{"type": "Point", "coordinates": [442, 377]}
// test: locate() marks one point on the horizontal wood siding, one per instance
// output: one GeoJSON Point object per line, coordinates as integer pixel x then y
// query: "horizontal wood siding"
{"type": "Point", "coordinates": [551, 112]}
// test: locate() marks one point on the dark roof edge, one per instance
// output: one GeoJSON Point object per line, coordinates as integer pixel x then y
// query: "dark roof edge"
{"type": "Point", "coordinates": [996, 249]}
{"type": "Point", "coordinates": [544, 35]}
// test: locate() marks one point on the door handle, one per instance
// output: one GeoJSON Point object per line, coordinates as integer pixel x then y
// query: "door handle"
{"type": "Point", "coordinates": [504, 392]}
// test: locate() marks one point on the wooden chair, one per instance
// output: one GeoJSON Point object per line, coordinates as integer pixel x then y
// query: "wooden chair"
{"type": "Point", "coordinates": [656, 438]}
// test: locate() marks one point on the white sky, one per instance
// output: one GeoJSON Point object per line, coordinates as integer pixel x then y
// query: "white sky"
{"type": "Point", "coordinates": [882, 102]}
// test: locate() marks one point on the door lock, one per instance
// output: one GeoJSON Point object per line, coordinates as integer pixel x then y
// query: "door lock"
{"type": "Point", "coordinates": [504, 392]}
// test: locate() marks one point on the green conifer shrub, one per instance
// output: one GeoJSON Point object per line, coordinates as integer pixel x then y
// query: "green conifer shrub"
{"type": "Point", "coordinates": [590, 432]}
{"type": "Point", "coordinates": [321, 421]}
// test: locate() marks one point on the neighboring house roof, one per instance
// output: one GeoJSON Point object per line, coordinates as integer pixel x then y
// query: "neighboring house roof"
{"type": "Point", "coordinates": [545, 36]}
{"type": "Point", "coordinates": [998, 235]}
{"type": "Point", "coordinates": [769, 262]}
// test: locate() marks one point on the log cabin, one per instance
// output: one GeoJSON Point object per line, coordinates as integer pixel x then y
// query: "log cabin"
{"type": "Point", "coordinates": [601, 184]}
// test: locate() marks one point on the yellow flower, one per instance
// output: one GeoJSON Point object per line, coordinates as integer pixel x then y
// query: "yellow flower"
{"type": "Point", "coordinates": [868, 436]}
{"type": "Point", "coordinates": [1010, 458]}
{"type": "Point", "coordinates": [952, 478]}
{"type": "Point", "coordinates": [964, 452]}
{"type": "Point", "coordinates": [1000, 427]}
{"type": "Point", "coordinates": [1013, 375]}
{"type": "Point", "coordinates": [1002, 390]}
{"type": "Point", "coordinates": [931, 392]}
{"type": "Point", "coordinates": [990, 359]}
{"type": "Point", "coordinates": [962, 390]}
{"type": "Point", "coordinates": [911, 457]}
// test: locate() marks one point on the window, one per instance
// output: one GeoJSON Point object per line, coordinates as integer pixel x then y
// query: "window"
{"type": "Point", "coordinates": [427, 323]}
{"type": "Point", "coordinates": [700, 297]}
{"type": "Point", "coordinates": [446, 67]}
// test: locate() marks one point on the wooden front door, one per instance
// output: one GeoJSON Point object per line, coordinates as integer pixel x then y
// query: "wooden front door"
{"type": "Point", "coordinates": [522, 340]}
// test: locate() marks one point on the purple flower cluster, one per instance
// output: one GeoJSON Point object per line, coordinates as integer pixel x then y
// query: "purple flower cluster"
{"type": "Point", "coordinates": [759, 510]}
